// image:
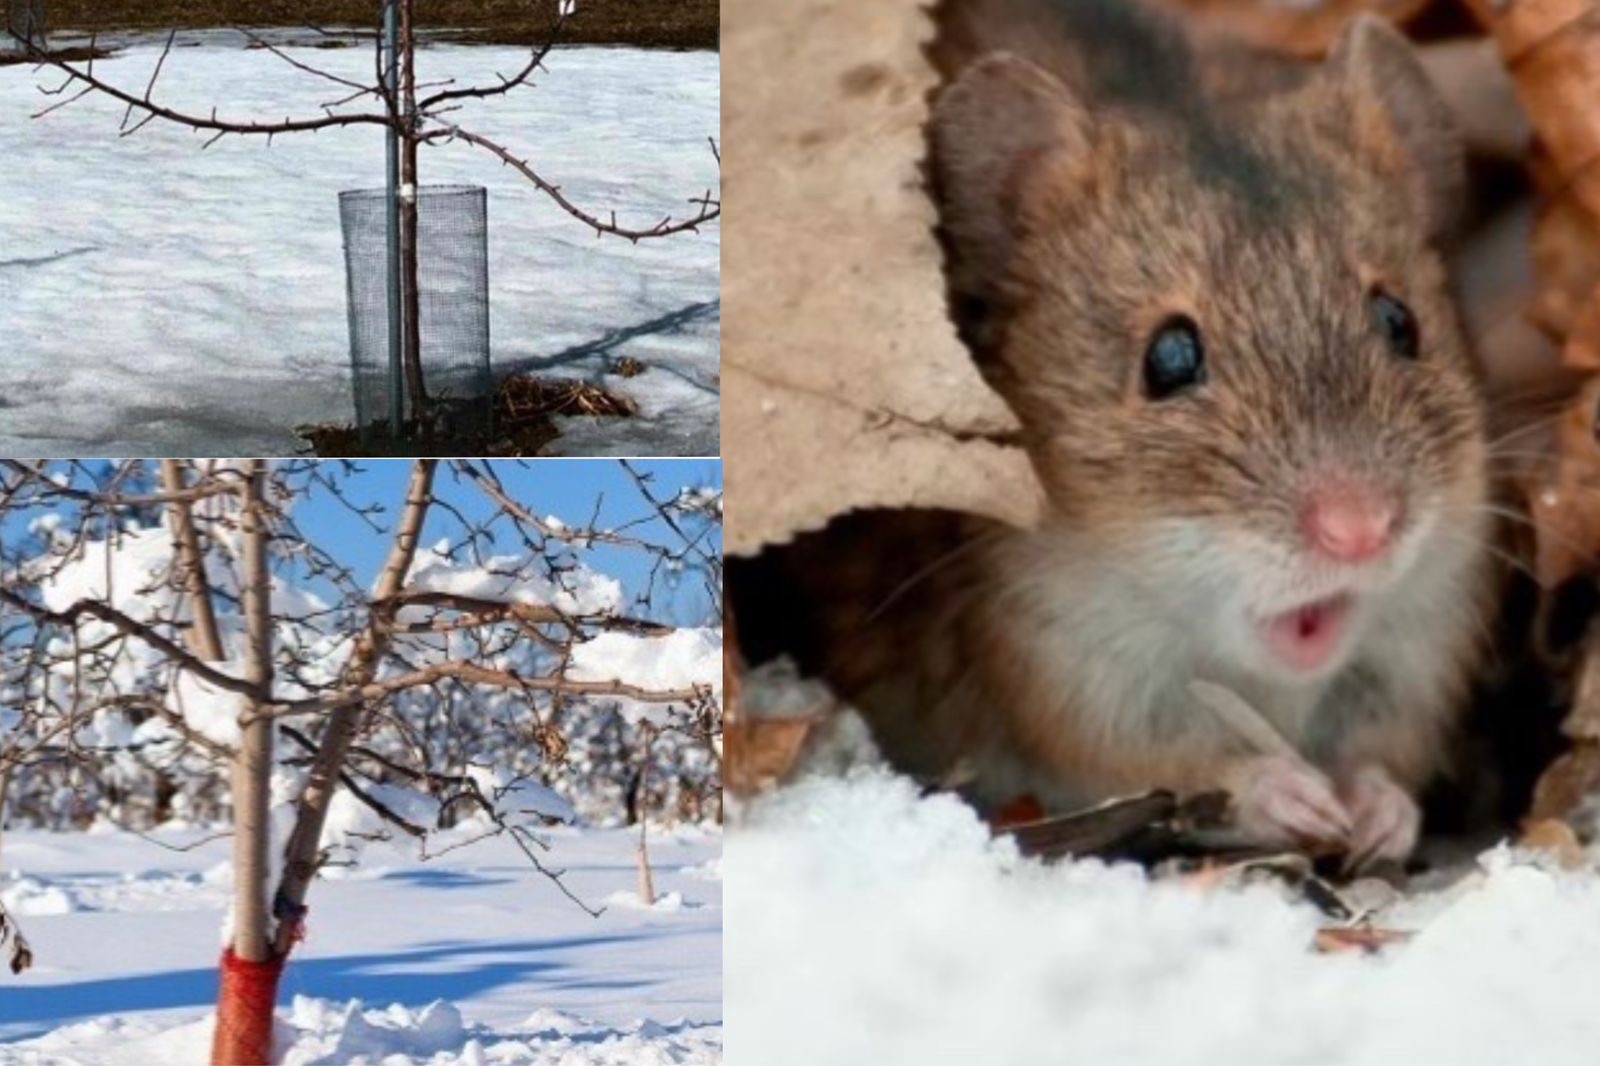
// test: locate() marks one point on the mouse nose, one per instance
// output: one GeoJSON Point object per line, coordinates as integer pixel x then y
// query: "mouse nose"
{"type": "Point", "coordinates": [1350, 523]}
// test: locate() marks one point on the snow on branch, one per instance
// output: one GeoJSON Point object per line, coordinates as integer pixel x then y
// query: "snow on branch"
{"type": "Point", "coordinates": [465, 691]}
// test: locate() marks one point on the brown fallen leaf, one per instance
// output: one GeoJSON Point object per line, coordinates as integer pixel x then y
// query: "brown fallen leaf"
{"type": "Point", "coordinates": [1566, 260]}
{"type": "Point", "coordinates": [1571, 779]}
{"type": "Point", "coordinates": [1366, 939]}
{"type": "Point", "coordinates": [1474, 84]}
{"type": "Point", "coordinates": [1019, 811]}
{"type": "Point", "coordinates": [1555, 838]}
{"type": "Point", "coordinates": [766, 728]}
{"type": "Point", "coordinates": [1583, 720]}
{"type": "Point", "coordinates": [1552, 49]}
{"type": "Point", "coordinates": [1302, 30]}
{"type": "Point", "coordinates": [1563, 493]}
{"type": "Point", "coordinates": [1209, 876]}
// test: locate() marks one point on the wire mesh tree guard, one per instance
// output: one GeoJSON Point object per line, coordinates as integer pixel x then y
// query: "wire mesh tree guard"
{"type": "Point", "coordinates": [407, 290]}
{"type": "Point", "coordinates": [24, 25]}
{"type": "Point", "coordinates": [452, 303]}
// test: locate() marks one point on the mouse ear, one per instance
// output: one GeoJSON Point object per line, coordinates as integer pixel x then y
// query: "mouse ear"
{"type": "Point", "coordinates": [1400, 114]}
{"type": "Point", "coordinates": [991, 130]}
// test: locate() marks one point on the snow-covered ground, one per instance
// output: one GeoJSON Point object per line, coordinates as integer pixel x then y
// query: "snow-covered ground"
{"type": "Point", "coordinates": [157, 299]}
{"type": "Point", "coordinates": [866, 924]}
{"type": "Point", "coordinates": [469, 958]}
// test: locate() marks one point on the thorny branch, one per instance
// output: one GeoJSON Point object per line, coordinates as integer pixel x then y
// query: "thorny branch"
{"type": "Point", "coordinates": [424, 125]}
{"type": "Point", "coordinates": [709, 208]}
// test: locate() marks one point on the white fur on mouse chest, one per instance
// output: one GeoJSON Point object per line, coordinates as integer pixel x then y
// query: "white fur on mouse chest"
{"type": "Point", "coordinates": [1120, 646]}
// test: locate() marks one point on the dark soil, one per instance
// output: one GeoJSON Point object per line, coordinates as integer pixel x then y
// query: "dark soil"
{"type": "Point", "coordinates": [645, 23]}
{"type": "Point", "coordinates": [66, 55]}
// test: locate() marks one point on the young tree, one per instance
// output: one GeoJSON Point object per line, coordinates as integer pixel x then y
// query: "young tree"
{"type": "Point", "coordinates": [414, 115]}
{"type": "Point", "coordinates": [437, 699]}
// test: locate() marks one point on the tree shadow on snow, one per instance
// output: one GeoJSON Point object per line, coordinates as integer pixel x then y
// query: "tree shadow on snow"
{"type": "Point", "coordinates": [444, 878]}
{"type": "Point", "coordinates": [451, 970]}
{"type": "Point", "coordinates": [46, 260]}
{"type": "Point", "coordinates": [611, 341]}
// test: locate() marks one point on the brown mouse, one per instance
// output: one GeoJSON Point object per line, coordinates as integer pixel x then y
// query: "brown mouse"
{"type": "Point", "coordinates": [1209, 285]}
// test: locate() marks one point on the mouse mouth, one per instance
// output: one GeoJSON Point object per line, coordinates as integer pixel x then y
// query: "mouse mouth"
{"type": "Point", "coordinates": [1308, 637]}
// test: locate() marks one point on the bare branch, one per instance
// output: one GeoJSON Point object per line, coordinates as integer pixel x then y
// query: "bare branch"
{"type": "Point", "coordinates": [709, 208]}
{"type": "Point", "coordinates": [92, 81]}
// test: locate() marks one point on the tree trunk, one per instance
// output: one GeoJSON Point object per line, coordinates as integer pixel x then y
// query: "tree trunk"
{"type": "Point", "coordinates": [411, 302]}
{"type": "Point", "coordinates": [641, 854]}
{"type": "Point", "coordinates": [251, 965]}
{"type": "Point", "coordinates": [203, 637]}
{"type": "Point", "coordinates": [301, 855]}
{"type": "Point", "coordinates": [647, 881]}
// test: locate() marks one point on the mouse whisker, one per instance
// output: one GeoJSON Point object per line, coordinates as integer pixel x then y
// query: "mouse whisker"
{"type": "Point", "coordinates": [1484, 545]}
{"type": "Point", "coordinates": [983, 539]}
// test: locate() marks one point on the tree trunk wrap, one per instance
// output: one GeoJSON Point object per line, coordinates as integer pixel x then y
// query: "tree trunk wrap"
{"type": "Point", "coordinates": [249, 990]}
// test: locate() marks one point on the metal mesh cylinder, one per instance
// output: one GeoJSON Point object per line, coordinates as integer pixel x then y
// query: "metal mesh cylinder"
{"type": "Point", "coordinates": [453, 296]}
{"type": "Point", "coordinates": [25, 20]}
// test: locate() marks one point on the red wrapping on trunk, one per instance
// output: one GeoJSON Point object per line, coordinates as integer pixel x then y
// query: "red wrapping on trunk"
{"type": "Point", "coordinates": [244, 1011]}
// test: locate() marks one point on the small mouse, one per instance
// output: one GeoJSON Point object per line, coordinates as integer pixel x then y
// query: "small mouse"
{"type": "Point", "coordinates": [1209, 284]}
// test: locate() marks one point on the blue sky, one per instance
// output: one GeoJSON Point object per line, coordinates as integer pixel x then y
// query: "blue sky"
{"type": "Point", "coordinates": [566, 488]}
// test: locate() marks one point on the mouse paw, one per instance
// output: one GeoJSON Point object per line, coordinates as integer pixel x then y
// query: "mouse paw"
{"type": "Point", "coordinates": [1280, 800]}
{"type": "Point", "coordinates": [1387, 819]}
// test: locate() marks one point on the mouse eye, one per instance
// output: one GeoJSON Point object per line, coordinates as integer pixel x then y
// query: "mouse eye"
{"type": "Point", "coordinates": [1175, 358]}
{"type": "Point", "coordinates": [1398, 324]}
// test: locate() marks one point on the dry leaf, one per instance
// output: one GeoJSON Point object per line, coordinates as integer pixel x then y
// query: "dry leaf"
{"type": "Point", "coordinates": [1570, 780]}
{"type": "Point", "coordinates": [1304, 30]}
{"type": "Point", "coordinates": [761, 753]}
{"type": "Point", "coordinates": [1209, 876]}
{"type": "Point", "coordinates": [1361, 938]}
{"type": "Point", "coordinates": [767, 721]}
{"type": "Point", "coordinates": [1019, 811]}
{"type": "Point", "coordinates": [1564, 494]}
{"type": "Point", "coordinates": [1473, 82]}
{"type": "Point", "coordinates": [1566, 259]}
{"type": "Point", "coordinates": [840, 362]}
{"type": "Point", "coordinates": [1552, 49]}
{"type": "Point", "coordinates": [1555, 838]}
{"type": "Point", "coordinates": [1583, 720]}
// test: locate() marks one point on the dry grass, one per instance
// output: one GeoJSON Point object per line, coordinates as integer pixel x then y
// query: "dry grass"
{"type": "Point", "coordinates": [647, 23]}
{"type": "Point", "coordinates": [524, 423]}
{"type": "Point", "coordinates": [524, 396]}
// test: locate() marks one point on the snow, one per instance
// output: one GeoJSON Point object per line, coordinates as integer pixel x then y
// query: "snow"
{"type": "Point", "coordinates": [208, 710]}
{"type": "Point", "coordinates": [665, 902]}
{"type": "Point", "coordinates": [511, 579]}
{"type": "Point", "coordinates": [681, 659]}
{"type": "Point", "coordinates": [869, 924]}
{"type": "Point", "coordinates": [468, 958]}
{"type": "Point", "coordinates": [157, 299]}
